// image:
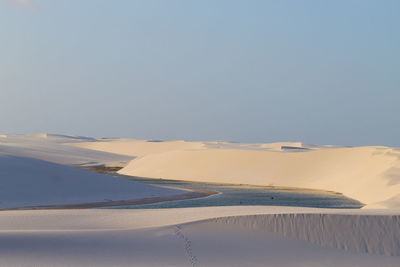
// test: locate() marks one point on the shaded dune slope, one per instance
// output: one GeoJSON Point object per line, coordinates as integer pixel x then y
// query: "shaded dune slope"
{"type": "Point", "coordinates": [32, 182]}
{"type": "Point", "coordinates": [375, 234]}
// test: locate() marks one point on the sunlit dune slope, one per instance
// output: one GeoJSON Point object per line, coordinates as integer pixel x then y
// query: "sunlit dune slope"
{"type": "Point", "coordinates": [368, 174]}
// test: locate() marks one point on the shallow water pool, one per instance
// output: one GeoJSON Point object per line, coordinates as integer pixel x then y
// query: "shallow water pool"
{"type": "Point", "coordinates": [232, 195]}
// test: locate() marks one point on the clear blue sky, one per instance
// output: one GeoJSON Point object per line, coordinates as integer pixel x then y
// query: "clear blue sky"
{"type": "Point", "coordinates": [324, 72]}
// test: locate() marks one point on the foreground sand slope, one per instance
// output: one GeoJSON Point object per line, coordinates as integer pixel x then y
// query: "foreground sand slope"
{"type": "Point", "coordinates": [275, 236]}
{"type": "Point", "coordinates": [368, 174]}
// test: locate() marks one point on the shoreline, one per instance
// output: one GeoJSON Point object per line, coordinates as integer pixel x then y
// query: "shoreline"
{"type": "Point", "coordinates": [114, 172]}
{"type": "Point", "coordinates": [191, 194]}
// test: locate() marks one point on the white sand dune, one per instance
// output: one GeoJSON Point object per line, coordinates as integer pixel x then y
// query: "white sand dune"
{"type": "Point", "coordinates": [27, 182]}
{"type": "Point", "coordinates": [63, 138]}
{"type": "Point", "coordinates": [200, 237]}
{"type": "Point", "coordinates": [368, 174]}
{"type": "Point", "coordinates": [138, 148]}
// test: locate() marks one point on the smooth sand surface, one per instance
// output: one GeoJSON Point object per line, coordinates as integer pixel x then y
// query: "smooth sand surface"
{"type": "Point", "coordinates": [27, 182]}
{"type": "Point", "coordinates": [196, 237]}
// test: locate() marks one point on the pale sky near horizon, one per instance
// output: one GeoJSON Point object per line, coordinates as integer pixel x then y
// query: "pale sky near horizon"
{"type": "Point", "coordinates": [322, 72]}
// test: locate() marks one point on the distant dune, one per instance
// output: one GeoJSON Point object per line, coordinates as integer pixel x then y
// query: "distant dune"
{"type": "Point", "coordinates": [53, 148]}
{"type": "Point", "coordinates": [141, 148]}
{"type": "Point", "coordinates": [138, 148]}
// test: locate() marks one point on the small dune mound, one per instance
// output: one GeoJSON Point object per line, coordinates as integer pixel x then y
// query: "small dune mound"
{"type": "Point", "coordinates": [39, 135]}
{"type": "Point", "coordinates": [279, 146]}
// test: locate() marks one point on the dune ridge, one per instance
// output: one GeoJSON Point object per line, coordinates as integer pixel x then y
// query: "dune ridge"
{"type": "Point", "coordinates": [338, 231]}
